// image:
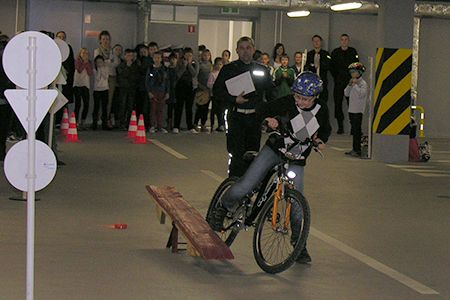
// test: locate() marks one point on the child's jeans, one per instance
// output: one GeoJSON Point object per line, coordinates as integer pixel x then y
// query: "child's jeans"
{"type": "Point", "coordinates": [157, 109]}
{"type": "Point", "coordinates": [355, 122]}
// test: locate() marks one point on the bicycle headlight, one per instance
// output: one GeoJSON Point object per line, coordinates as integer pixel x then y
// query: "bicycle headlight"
{"type": "Point", "coordinates": [291, 174]}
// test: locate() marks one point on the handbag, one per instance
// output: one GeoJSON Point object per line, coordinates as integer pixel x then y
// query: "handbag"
{"type": "Point", "coordinates": [201, 97]}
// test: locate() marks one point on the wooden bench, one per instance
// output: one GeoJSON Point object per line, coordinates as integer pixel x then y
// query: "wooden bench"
{"type": "Point", "coordinates": [201, 240]}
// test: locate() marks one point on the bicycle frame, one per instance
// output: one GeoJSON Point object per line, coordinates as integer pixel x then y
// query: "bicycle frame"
{"type": "Point", "coordinates": [267, 188]}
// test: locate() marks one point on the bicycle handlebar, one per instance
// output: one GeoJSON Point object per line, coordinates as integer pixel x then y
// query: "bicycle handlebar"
{"type": "Point", "coordinates": [282, 130]}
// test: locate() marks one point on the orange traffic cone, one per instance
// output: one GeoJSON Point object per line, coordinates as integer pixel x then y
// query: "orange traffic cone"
{"type": "Point", "coordinates": [65, 122]}
{"type": "Point", "coordinates": [140, 134]}
{"type": "Point", "coordinates": [72, 134]}
{"type": "Point", "coordinates": [133, 126]}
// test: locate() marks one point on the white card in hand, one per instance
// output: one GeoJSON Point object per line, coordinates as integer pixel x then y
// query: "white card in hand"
{"type": "Point", "coordinates": [241, 83]}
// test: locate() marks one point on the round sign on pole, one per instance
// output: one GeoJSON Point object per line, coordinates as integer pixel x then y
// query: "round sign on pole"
{"type": "Point", "coordinates": [63, 48]}
{"type": "Point", "coordinates": [48, 59]}
{"type": "Point", "coordinates": [16, 165]}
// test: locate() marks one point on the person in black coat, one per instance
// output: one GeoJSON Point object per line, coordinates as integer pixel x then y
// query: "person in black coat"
{"type": "Point", "coordinates": [319, 61]}
{"type": "Point", "coordinates": [243, 117]}
{"type": "Point", "coordinates": [341, 58]}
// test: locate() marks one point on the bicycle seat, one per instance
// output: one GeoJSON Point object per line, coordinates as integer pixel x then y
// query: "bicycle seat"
{"type": "Point", "coordinates": [249, 156]}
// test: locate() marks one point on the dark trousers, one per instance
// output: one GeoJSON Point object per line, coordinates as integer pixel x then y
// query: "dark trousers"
{"type": "Point", "coordinates": [216, 111]}
{"type": "Point", "coordinates": [185, 98]}
{"type": "Point", "coordinates": [201, 114]}
{"type": "Point", "coordinates": [81, 93]}
{"type": "Point", "coordinates": [114, 105]}
{"type": "Point", "coordinates": [100, 98]}
{"type": "Point", "coordinates": [244, 134]}
{"type": "Point", "coordinates": [5, 121]}
{"type": "Point", "coordinates": [157, 109]}
{"type": "Point", "coordinates": [126, 105]}
{"type": "Point", "coordinates": [170, 114]}
{"type": "Point", "coordinates": [324, 95]}
{"type": "Point", "coordinates": [355, 122]}
{"type": "Point", "coordinates": [339, 87]}
{"type": "Point", "coordinates": [143, 106]}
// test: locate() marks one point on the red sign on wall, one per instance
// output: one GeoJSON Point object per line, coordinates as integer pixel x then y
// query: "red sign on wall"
{"type": "Point", "coordinates": [191, 28]}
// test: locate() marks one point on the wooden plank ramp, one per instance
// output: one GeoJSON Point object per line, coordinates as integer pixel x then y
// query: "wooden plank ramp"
{"type": "Point", "coordinates": [201, 239]}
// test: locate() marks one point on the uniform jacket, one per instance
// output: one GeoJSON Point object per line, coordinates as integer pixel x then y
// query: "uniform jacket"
{"type": "Point", "coordinates": [261, 79]}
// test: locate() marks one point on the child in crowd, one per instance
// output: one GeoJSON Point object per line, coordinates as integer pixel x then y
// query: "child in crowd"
{"type": "Point", "coordinates": [356, 90]}
{"type": "Point", "coordinates": [217, 109]}
{"type": "Point", "coordinates": [81, 85]}
{"type": "Point", "coordinates": [265, 60]}
{"type": "Point", "coordinates": [278, 51]}
{"type": "Point", "coordinates": [226, 55]}
{"type": "Point", "coordinates": [144, 62]}
{"type": "Point", "coordinates": [158, 91]}
{"type": "Point", "coordinates": [127, 78]}
{"type": "Point", "coordinates": [284, 77]}
{"type": "Point", "coordinates": [101, 87]}
{"type": "Point", "coordinates": [297, 67]}
{"type": "Point", "coordinates": [172, 76]}
{"type": "Point", "coordinates": [202, 96]}
{"type": "Point", "coordinates": [152, 49]}
{"type": "Point", "coordinates": [187, 71]}
{"type": "Point", "coordinates": [118, 51]}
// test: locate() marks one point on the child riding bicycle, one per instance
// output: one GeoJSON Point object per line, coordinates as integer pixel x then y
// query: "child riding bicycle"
{"type": "Point", "coordinates": [307, 119]}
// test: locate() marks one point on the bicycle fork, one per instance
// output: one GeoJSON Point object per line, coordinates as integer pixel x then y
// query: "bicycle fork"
{"type": "Point", "coordinates": [278, 195]}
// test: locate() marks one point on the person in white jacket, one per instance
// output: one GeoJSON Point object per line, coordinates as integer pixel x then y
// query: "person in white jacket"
{"type": "Point", "coordinates": [357, 91]}
{"type": "Point", "coordinates": [101, 88]}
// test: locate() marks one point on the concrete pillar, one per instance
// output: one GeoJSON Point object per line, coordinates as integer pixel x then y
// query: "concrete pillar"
{"type": "Point", "coordinates": [395, 30]}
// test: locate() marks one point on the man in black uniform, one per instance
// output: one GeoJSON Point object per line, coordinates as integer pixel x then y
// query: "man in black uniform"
{"type": "Point", "coordinates": [319, 61]}
{"type": "Point", "coordinates": [243, 117]}
{"type": "Point", "coordinates": [341, 58]}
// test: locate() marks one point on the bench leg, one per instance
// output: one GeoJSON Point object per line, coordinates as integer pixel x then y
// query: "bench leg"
{"type": "Point", "coordinates": [173, 239]}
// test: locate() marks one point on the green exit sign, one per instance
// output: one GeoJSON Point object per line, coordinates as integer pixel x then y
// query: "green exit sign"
{"type": "Point", "coordinates": [230, 10]}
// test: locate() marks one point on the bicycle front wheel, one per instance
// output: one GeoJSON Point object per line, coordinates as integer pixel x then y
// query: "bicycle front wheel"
{"type": "Point", "coordinates": [229, 235]}
{"type": "Point", "coordinates": [280, 237]}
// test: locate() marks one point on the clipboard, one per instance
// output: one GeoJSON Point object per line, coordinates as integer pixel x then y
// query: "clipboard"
{"type": "Point", "coordinates": [240, 83]}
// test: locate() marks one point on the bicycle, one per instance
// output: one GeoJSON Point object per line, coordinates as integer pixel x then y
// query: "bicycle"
{"type": "Point", "coordinates": [268, 208]}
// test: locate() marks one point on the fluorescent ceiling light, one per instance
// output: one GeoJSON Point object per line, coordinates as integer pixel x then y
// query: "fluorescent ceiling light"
{"type": "Point", "coordinates": [346, 6]}
{"type": "Point", "coordinates": [298, 13]}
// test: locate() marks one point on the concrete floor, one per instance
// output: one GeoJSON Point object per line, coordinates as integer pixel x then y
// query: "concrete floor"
{"type": "Point", "coordinates": [374, 227]}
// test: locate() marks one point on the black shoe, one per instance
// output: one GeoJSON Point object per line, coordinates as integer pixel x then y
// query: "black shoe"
{"type": "Point", "coordinates": [353, 153]}
{"type": "Point", "coordinates": [217, 218]}
{"type": "Point", "coordinates": [304, 257]}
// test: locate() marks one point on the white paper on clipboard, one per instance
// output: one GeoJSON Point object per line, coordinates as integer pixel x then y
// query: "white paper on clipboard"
{"type": "Point", "coordinates": [241, 83]}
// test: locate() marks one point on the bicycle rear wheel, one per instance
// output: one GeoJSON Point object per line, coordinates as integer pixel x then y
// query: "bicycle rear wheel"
{"type": "Point", "coordinates": [229, 235]}
{"type": "Point", "coordinates": [276, 247]}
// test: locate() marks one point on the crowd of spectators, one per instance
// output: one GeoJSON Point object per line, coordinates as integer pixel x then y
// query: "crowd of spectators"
{"type": "Point", "coordinates": [163, 84]}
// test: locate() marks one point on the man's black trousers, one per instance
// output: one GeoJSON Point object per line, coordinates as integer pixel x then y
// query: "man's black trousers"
{"type": "Point", "coordinates": [244, 134]}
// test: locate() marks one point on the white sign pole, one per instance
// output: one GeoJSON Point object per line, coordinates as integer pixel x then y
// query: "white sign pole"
{"type": "Point", "coordinates": [31, 176]}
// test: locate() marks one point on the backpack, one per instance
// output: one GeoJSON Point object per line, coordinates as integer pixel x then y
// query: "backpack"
{"type": "Point", "coordinates": [425, 151]}
{"type": "Point", "coordinates": [419, 152]}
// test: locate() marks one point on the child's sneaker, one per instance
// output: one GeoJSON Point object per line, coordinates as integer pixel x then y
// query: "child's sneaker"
{"type": "Point", "coordinates": [193, 130]}
{"type": "Point", "coordinates": [162, 130]}
{"type": "Point", "coordinates": [176, 131]}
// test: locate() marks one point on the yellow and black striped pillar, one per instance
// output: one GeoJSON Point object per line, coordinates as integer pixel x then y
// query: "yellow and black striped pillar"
{"type": "Point", "coordinates": [392, 93]}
